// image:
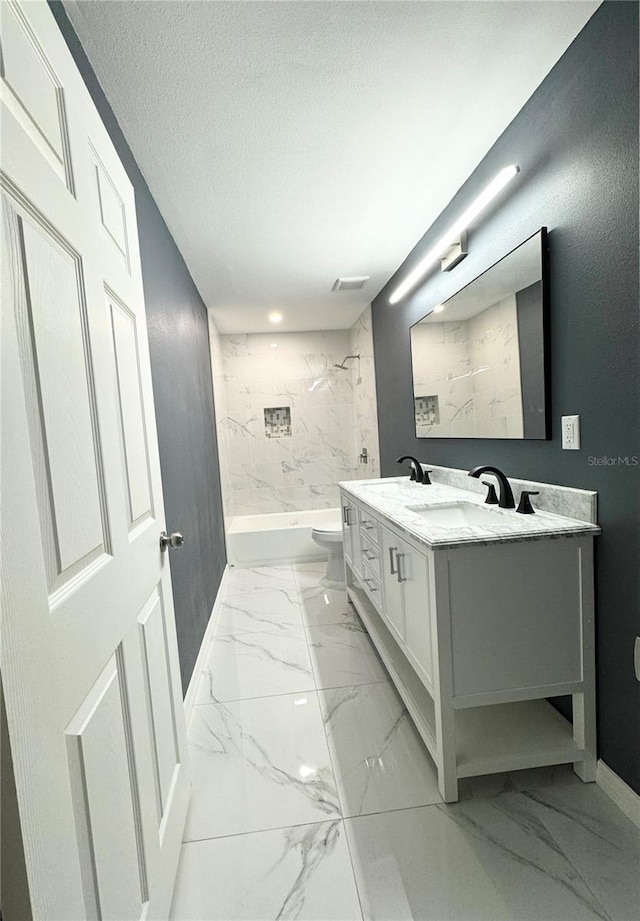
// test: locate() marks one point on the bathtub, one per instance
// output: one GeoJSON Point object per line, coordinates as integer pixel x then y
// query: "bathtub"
{"type": "Point", "coordinates": [261, 540]}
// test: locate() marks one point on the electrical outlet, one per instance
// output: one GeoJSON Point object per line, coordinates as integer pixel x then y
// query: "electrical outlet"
{"type": "Point", "coordinates": [636, 657]}
{"type": "Point", "coordinates": [571, 433]}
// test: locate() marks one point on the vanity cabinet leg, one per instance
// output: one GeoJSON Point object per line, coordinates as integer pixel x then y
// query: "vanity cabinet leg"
{"type": "Point", "coordinates": [584, 733]}
{"type": "Point", "coordinates": [446, 761]}
{"type": "Point", "coordinates": [448, 785]}
{"type": "Point", "coordinates": [584, 704]}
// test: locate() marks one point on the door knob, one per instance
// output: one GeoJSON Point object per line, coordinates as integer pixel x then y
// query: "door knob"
{"type": "Point", "coordinates": [171, 541]}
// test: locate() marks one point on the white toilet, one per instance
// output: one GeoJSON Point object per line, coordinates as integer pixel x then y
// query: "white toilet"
{"type": "Point", "coordinates": [328, 535]}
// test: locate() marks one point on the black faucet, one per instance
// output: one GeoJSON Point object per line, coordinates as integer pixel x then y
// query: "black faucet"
{"type": "Point", "coordinates": [416, 468]}
{"type": "Point", "coordinates": [506, 495]}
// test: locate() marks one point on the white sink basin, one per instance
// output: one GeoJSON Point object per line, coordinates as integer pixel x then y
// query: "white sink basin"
{"type": "Point", "coordinates": [456, 515]}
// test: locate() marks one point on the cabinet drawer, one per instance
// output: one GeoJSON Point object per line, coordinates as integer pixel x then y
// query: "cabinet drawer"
{"type": "Point", "coordinates": [369, 527]}
{"type": "Point", "coordinates": [370, 554]}
{"type": "Point", "coordinates": [372, 586]}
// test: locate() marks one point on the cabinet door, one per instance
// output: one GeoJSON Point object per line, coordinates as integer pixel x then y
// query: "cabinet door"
{"type": "Point", "coordinates": [351, 536]}
{"type": "Point", "coordinates": [347, 531]}
{"type": "Point", "coordinates": [356, 546]}
{"type": "Point", "coordinates": [414, 575]}
{"type": "Point", "coordinates": [393, 604]}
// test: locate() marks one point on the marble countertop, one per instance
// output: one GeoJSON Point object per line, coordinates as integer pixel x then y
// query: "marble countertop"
{"type": "Point", "coordinates": [393, 498]}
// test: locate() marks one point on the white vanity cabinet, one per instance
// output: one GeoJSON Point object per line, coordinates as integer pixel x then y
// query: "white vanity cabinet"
{"type": "Point", "coordinates": [476, 637]}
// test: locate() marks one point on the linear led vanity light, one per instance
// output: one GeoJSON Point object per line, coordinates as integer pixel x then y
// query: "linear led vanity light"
{"type": "Point", "coordinates": [495, 186]}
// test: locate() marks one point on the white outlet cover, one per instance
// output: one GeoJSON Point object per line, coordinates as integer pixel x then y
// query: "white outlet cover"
{"type": "Point", "coordinates": [571, 433]}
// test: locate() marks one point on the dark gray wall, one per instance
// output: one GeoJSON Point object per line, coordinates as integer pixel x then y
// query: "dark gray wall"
{"type": "Point", "coordinates": [182, 387]}
{"type": "Point", "coordinates": [576, 141]}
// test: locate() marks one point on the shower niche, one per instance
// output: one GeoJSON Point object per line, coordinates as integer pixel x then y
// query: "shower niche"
{"type": "Point", "coordinates": [277, 422]}
{"type": "Point", "coordinates": [427, 413]}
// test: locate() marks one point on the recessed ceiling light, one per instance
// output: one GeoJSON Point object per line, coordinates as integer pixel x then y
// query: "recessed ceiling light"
{"type": "Point", "coordinates": [438, 308]}
{"type": "Point", "coordinates": [274, 345]}
{"type": "Point", "coordinates": [275, 316]}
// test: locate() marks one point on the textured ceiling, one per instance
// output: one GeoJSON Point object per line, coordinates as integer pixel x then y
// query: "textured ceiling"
{"type": "Point", "coordinates": [289, 143]}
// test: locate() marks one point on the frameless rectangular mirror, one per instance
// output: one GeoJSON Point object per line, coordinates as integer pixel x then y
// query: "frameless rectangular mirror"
{"type": "Point", "coordinates": [479, 359]}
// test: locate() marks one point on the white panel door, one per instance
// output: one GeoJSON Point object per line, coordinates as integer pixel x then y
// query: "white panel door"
{"type": "Point", "coordinates": [89, 655]}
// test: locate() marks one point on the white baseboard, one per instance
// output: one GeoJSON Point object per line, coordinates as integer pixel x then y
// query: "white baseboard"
{"type": "Point", "coordinates": [620, 792]}
{"type": "Point", "coordinates": [192, 690]}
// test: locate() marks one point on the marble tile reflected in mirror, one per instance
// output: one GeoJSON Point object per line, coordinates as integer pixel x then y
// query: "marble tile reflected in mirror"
{"type": "Point", "coordinates": [479, 358]}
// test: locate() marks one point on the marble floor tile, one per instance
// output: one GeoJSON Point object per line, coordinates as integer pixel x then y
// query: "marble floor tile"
{"type": "Point", "coordinates": [488, 785]}
{"type": "Point", "coordinates": [309, 575]}
{"type": "Point", "coordinates": [343, 655]}
{"type": "Point", "coordinates": [599, 840]}
{"type": "Point", "coordinates": [378, 758]}
{"type": "Point", "coordinates": [321, 605]}
{"type": "Point", "coordinates": [302, 872]}
{"type": "Point", "coordinates": [249, 612]}
{"type": "Point", "coordinates": [259, 764]}
{"type": "Point", "coordinates": [317, 566]}
{"type": "Point", "coordinates": [481, 859]}
{"type": "Point", "coordinates": [259, 664]}
{"type": "Point", "coordinates": [263, 578]}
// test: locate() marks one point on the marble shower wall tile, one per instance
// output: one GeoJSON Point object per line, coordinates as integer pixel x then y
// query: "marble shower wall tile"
{"type": "Point", "coordinates": [364, 395]}
{"type": "Point", "coordinates": [224, 430]}
{"type": "Point", "coordinates": [472, 368]}
{"type": "Point", "coordinates": [493, 344]}
{"type": "Point", "coordinates": [295, 370]}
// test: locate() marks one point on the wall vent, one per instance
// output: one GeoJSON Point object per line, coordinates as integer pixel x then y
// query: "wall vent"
{"type": "Point", "coordinates": [350, 284]}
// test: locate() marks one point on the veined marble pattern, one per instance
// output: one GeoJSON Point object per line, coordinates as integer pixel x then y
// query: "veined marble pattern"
{"type": "Point", "coordinates": [223, 432]}
{"type": "Point", "coordinates": [259, 764]}
{"type": "Point", "coordinates": [322, 605]}
{"type": "Point", "coordinates": [264, 578]}
{"type": "Point", "coordinates": [561, 852]}
{"type": "Point", "coordinates": [472, 368]}
{"type": "Point", "coordinates": [378, 757]}
{"type": "Point", "coordinates": [333, 416]}
{"type": "Point", "coordinates": [258, 664]}
{"type": "Point", "coordinates": [294, 370]}
{"type": "Point", "coordinates": [343, 655]}
{"type": "Point", "coordinates": [302, 872]}
{"type": "Point", "coordinates": [268, 611]}
{"type": "Point", "coordinates": [364, 395]}
{"type": "Point", "coordinates": [280, 776]}
{"type": "Point", "coordinates": [581, 504]}
{"type": "Point", "coordinates": [395, 497]}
